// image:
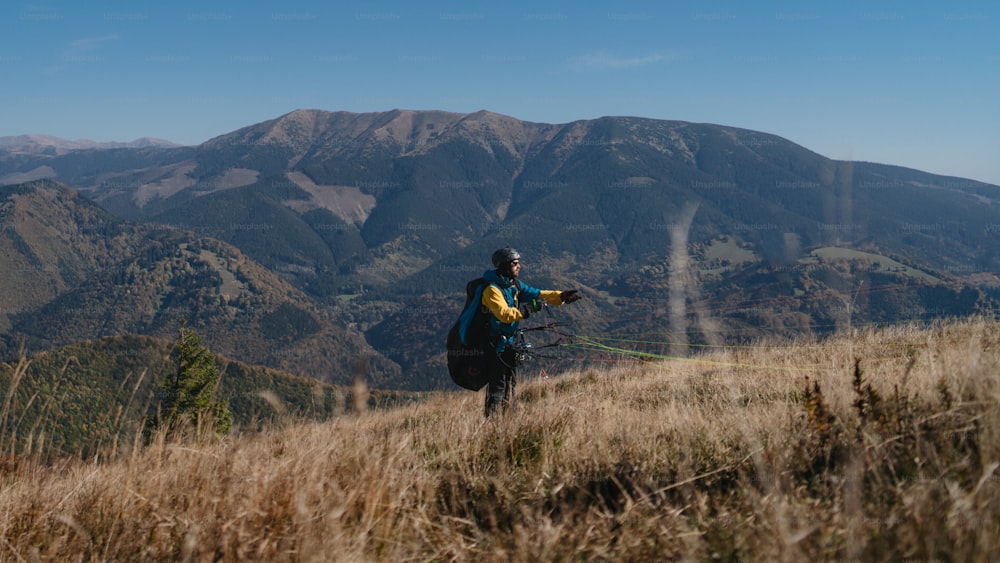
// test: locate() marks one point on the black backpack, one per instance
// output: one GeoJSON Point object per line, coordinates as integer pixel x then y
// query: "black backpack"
{"type": "Point", "coordinates": [467, 363]}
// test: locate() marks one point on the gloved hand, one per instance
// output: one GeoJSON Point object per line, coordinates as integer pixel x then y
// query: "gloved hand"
{"type": "Point", "coordinates": [526, 309]}
{"type": "Point", "coordinates": [570, 295]}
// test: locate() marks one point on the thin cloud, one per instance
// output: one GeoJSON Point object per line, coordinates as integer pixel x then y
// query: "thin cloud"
{"type": "Point", "coordinates": [77, 51]}
{"type": "Point", "coordinates": [606, 61]}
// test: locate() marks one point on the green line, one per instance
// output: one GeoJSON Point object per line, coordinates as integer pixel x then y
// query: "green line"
{"type": "Point", "coordinates": [695, 345]}
{"type": "Point", "coordinates": [637, 354]}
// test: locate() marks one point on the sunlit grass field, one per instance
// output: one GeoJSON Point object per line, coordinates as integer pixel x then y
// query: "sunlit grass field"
{"type": "Point", "coordinates": [881, 444]}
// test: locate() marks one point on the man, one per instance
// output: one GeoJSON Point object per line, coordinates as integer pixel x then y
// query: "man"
{"type": "Point", "coordinates": [509, 301]}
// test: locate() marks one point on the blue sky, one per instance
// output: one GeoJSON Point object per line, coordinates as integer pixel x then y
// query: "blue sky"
{"type": "Point", "coordinates": [909, 83]}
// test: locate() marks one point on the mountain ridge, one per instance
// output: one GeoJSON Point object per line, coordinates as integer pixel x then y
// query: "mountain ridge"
{"type": "Point", "coordinates": [38, 142]}
{"type": "Point", "coordinates": [369, 213]}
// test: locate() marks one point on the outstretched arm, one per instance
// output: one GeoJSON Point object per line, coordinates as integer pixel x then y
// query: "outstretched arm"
{"type": "Point", "coordinates": [553, 297]}
{"type": "Point", "coordinates": [494, 301]}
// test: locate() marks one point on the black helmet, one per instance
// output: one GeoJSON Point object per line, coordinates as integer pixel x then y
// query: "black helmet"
{"type": "Point", "coordinates": [504, 256]}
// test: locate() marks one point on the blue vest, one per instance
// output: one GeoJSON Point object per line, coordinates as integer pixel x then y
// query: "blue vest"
{"type": "Point", "coordinates": [513, 291]}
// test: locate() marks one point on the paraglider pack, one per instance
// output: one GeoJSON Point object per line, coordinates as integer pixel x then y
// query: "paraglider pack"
{"type": "Point", "coordinates": [468, 343]}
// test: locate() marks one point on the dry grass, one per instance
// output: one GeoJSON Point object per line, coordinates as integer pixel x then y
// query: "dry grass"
{"type": "Point", "coordinates": [878, 445]}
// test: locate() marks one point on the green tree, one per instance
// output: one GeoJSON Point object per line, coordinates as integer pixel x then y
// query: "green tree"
{"type": "Point", "coordinates": [187, 396]}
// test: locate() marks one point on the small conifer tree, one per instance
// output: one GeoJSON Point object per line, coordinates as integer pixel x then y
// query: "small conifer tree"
{"type": "Point", "coordinates": [188, 394]}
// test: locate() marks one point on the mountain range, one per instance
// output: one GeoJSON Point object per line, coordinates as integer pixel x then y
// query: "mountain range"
{"type": "Point", "coordinates": [311, 240]}
{"type": "Point", "coordinates": [55, 145]}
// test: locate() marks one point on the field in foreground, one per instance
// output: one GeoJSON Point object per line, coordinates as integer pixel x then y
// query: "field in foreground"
{"type": "Point", "coordinates": [878, 445]}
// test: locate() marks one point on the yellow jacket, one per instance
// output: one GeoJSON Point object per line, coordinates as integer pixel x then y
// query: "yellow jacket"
{"type": "Point", "coordinates": [493, 300]}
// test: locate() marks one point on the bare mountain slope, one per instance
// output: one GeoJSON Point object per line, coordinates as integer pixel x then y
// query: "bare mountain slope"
{"type": "Point", "coordinates": [75, 273]}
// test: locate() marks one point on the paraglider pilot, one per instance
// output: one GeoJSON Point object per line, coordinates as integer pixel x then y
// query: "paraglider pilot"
{"type": "Point", "coordinates": [510, 301]}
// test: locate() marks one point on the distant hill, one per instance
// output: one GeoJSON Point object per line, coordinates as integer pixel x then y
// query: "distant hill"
{"type": "Point", "coordinates": [369, 214]}
{"type": "Point", "coordinates": [76, 273]}
{"type": "Point", "coordinates": [51, 240]}
{"type": "Point", "coordinates": [56, 145]}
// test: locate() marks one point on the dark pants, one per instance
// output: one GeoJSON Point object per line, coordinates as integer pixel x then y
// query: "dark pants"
{"type": "Point", "coordinates": [502, 380]}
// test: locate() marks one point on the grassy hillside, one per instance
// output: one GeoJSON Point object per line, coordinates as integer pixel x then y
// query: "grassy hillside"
{"type": "Point", "coordinates": [877, 445]}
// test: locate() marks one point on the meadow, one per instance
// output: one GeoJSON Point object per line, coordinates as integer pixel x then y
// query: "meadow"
{"type": "Point", "coordinates": [878, 444]}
